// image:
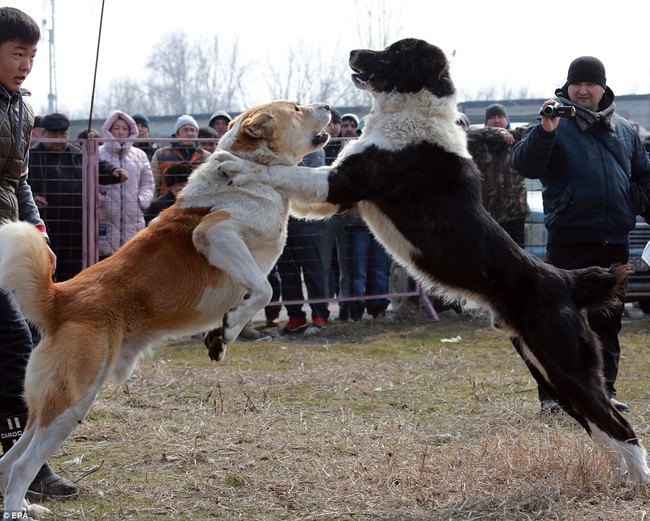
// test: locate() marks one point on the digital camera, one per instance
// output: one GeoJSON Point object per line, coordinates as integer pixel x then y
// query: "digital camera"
{"type": "Point", "coordinates": [557, 110]}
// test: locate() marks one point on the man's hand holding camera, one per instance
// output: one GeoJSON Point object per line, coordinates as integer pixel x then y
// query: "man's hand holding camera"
{"type": "Point", "coordinates": [551, 113]}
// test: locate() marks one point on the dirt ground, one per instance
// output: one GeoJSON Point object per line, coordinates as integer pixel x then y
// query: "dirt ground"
{"type": "Point", "coordinates": [400, 419]}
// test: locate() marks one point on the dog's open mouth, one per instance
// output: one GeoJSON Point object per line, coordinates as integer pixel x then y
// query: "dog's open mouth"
{"type": "Point", "coordinates": [359, 77]}
{"type": "Point", "coordinates": [321, 139]}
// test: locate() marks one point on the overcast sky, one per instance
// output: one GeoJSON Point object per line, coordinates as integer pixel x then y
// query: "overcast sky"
{"type": "Point", "coordinates": [523, 43]}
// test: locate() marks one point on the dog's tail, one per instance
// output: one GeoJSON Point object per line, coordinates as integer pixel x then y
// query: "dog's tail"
{"type": "Point", "coordinates": [598, 288]}
{"type": "Point", "coordinates": [25, 269]}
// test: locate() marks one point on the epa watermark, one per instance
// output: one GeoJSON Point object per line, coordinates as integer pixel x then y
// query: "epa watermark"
{"type": "Point", "coordinates": [15, 515]}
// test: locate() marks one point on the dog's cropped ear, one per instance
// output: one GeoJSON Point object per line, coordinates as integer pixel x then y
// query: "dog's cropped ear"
{"type": "Point", "coordinates": [258, 125]}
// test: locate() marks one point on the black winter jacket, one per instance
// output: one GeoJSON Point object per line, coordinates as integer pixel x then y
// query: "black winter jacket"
{"type": "Point", "coordinates": [16, 122]}
{"type": "Point", "coordinates": [594, 182]}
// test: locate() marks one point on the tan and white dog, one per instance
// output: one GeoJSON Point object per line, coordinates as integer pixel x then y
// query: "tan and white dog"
{"type": "Point", "coordinates": [202, 264]}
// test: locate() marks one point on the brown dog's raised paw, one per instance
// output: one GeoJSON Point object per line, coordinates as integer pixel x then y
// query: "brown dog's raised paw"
{"type": "Point", "coordinates": [214, 342]}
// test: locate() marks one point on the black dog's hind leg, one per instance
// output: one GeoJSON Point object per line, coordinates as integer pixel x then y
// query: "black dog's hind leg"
{"type": "Point", "coordinates": [543, 383]}
{"type": "Point", "coordinates": [581, 393]}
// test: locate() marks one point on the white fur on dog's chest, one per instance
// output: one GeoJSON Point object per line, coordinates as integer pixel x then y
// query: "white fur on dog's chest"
{"type": "Point", "coordinates": [260, 210]}
{"type": "Point", "coordinates": [265, 212]}
{"type": "Point", "coordinates": [398, 121]}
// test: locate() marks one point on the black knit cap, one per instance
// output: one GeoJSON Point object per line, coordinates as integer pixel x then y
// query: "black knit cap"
{"type": "Point", "coordinates": [336, 115]}
{"type": "Point", "coordinates": [139, 117]}
{"type": "Point", "coordinates": [496, 109]}
{"type": "Point", "coordinates": [587, 68]}
{"type": "Point", "coordinates": [55, 122]}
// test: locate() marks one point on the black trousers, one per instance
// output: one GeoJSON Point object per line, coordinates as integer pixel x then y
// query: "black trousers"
{"type": "Point", "coordinates": [606, 324]}
{"type": "Point", "coordinates": [15, 348]}
{"type": "Point", "coordinates": [301, 255]}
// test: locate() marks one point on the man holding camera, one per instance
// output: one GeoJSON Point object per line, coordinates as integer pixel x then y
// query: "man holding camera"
{"type": "Point", "coordinates": [596, 178]}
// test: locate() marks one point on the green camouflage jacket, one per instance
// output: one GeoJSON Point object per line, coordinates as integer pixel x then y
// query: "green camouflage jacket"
{"type": "Point", "coordinates": [503, 190]}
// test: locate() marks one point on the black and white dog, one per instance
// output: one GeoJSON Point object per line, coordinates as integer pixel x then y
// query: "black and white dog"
{"type": "Point", "coordinates": [415, 184]}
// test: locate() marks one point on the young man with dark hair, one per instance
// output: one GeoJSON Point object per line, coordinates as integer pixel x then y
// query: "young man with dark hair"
{"type": "Point", "coordinates": [19, 37]}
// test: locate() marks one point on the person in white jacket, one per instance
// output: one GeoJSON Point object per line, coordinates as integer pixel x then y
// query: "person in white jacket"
{"type": "Point", "coordinates": [121, 205]}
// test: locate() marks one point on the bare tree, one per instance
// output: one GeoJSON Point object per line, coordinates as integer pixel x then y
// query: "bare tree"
{"type": "Point", "coordinates": [218, 74]}
{"type": "Point", "coordinates": [308, 76]}
{"type": "Point", "coordinates": [184, 76]}
{"type": "Point", "coordinates": [126, 94]}
{"type": "Point", "coordinates": [496, 92]}
{"type": "Point", "coordinates": [169, 73]}
{"type": "Point", "coordinates": [188, 76]}
{"type": "Point", "coordinates": [378, 21]}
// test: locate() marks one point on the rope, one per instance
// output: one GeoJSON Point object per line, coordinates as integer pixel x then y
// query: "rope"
{"type": "Point", "coordinates": [92, 96]}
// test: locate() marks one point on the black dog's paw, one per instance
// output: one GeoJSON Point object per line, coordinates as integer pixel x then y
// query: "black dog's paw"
{"type": "Point", "coordinates": [214, 342]}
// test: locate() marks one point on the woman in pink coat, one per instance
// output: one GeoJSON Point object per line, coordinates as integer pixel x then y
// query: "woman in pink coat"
{"type": "Point", "coordinates": [121, 205]}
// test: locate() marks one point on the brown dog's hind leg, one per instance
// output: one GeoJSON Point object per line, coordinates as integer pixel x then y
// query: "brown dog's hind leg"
{"type": "Point", "coordinates": [63, 376]}
{"type": "Point", "coordinates": [214, 342]}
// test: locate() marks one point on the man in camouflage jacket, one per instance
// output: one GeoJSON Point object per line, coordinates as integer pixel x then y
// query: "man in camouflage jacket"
{"type": "Point", "coordinates": [503, 190]}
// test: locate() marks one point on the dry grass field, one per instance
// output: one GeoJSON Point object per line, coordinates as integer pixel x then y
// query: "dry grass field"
{"type": "Point", "coordinates": [378, 420]}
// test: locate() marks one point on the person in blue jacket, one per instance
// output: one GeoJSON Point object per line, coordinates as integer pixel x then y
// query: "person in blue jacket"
{"type": "Point", "coordinates": [595, 179]}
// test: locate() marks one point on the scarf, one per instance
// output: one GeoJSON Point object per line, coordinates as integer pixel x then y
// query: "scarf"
{"type": "Point", "coordinates": [586, 118]}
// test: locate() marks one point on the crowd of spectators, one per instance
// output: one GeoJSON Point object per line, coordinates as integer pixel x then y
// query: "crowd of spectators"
{"type": "Point", "coordinates": [336, 260]}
